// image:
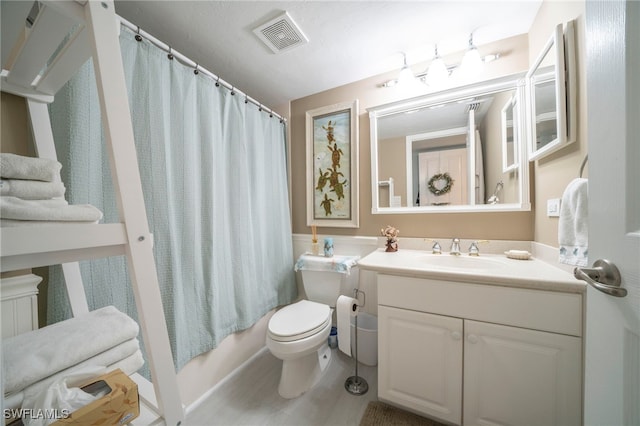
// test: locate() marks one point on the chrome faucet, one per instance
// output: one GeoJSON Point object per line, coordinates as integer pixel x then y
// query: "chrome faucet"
{"type": "Point", "coordinates": [473, 249]}
{"type": "Point", "coordinates": [436, 249]}
{"type": "Point", "coordinates": [455, 247]}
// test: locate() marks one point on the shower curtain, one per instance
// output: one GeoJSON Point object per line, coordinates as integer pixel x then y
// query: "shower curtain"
{"type": "Point", "coordinates": [213, 172]}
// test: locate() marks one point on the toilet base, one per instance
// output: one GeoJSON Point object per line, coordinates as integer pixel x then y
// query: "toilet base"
{"type": "Point", "coordinates": [301, 374]}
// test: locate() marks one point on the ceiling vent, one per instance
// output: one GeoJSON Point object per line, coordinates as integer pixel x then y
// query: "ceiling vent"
{"type": "Point", "coordinates": [281, 34]}
{"type": "Point", "coordinates": [473, 106]}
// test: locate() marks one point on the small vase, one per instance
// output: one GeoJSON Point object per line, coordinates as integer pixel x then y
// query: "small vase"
{"type": "Point", "coordinates": [392, 246]}
{"type": "Point", "coordinates": [315, 248]}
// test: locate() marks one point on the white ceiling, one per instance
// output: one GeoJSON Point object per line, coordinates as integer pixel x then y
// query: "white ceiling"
{"type": "Point", "coordinates": [348, 40]}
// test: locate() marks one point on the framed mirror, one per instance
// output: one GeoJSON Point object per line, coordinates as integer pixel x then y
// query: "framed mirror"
{"type": "Point", "coordinates": [551, 95]}
{"type": "Point", "coordinates": [510, 134]}
{"type": "Point", "coordinates": [443, 152]}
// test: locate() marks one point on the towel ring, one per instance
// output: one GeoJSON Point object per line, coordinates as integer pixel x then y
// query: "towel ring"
{"type": "Point", "coordinates": [584, 163]}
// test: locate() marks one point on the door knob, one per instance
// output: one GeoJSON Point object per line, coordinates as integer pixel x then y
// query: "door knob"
{"type": "Point", "coordinates": [472, 338]}
{"type": "Point", "coordinates": [455, 335]}
{"type": "Point", "coordinates": [604, 276]}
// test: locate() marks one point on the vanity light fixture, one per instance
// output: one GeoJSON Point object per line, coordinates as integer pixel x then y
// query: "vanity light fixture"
{"type": "Point", "coordinates": [437, 73]}
{"type": "Point", "coordinates": [471, 61]}
{"type": "Point", "coordinates": [406, 75]}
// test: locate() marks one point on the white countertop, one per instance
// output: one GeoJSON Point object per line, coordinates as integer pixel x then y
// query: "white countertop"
{"type": "Point", "coordinates": [499, 270]}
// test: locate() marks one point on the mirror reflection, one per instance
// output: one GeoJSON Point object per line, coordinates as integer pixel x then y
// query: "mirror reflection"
{"type": "Point", "coordinates": [551, 90]}
{"type": "Point", "coordinates": [544, 97]}
{"type": "Point", "coordinates": [510, 134]}
{"type": "Point", "coordinates": [448, 152]}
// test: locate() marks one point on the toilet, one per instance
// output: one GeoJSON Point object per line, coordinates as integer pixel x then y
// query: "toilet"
{"type": "Point", "coordinates": [298, 333]}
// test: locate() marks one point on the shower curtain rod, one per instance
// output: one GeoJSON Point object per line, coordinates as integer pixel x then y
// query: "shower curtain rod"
{"type": "Point", "coordinates": [197, 67]}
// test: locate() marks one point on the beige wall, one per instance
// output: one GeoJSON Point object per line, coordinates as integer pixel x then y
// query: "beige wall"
{"type": "Point", "coordinates": [14, 136]}
{"type": "Point", "coordinates": [505, 225]}
{"type": "Point", "coordinates": [554, 172]}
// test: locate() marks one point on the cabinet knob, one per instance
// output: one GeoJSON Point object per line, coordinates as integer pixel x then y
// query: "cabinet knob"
{"type": "Point", "coordinates": [472, 338]}
{"type": "Point", "coordinates": [456, 335]}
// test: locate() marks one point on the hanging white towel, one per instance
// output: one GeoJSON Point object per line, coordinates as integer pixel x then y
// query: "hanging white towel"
{"type": "Point", "coordinates": [31, 189]}
{"type": "Point", "coordinates": [573, 226]}
{"type": "Point", "coordinates": [14, 166]}
{"type": "Point", "coordinates": [54, 209]}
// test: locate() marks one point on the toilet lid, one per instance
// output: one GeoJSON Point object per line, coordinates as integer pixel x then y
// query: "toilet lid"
{"type": "Point", "coordinates": [299, 320]}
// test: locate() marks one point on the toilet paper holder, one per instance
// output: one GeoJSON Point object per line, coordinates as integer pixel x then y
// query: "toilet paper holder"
{"type": "Point", "coordinates": [364, 297]}
{"type": "Point", "coordinates": [355, 384]}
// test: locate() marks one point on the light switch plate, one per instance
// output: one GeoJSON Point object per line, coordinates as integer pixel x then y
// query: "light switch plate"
{"type": "Point", "coordinates": [553, 207]}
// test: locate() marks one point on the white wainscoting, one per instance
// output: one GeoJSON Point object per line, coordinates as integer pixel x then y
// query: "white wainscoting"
{"type": "Point", "coordinates": [19, 304]}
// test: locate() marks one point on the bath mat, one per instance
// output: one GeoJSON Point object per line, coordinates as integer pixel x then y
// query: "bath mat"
{"type": "Point", "coordinates": [381, 414]}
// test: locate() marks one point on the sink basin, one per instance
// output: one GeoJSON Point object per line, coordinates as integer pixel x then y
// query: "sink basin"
{"type": "Point", "coordinates": [462, 262]}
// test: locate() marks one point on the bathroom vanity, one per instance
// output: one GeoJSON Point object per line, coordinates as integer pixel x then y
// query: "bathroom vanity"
{"type": "Point", "coordinates": [479, 340]}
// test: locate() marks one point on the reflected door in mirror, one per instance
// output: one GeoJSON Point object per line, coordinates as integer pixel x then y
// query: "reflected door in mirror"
{"type": "Point", "coordinates": [443, 177]}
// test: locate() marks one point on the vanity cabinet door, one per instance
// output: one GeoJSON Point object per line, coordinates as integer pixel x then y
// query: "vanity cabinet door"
{"type": "Point", "coordinates": [420, 362]}
{"type": "Point", "coordinates": [520, 377]}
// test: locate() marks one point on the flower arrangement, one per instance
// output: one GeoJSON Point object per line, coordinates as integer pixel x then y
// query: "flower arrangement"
{"type": "Point", "coordinates": [392, 237]}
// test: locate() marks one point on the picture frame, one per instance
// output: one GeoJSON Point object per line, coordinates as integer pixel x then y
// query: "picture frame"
{"type": "Point", "coordinates": [332, 165]}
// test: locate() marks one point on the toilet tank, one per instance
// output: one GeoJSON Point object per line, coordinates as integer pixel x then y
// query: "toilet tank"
{"type": "Point", "coordinates": [326, 286]}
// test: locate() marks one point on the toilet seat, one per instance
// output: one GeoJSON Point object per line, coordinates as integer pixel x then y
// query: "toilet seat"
{"type": "Point", "coordinates": [299, 320]}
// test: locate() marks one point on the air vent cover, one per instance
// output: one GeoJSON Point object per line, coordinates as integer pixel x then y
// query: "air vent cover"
{"type": "Point", "coordinates": [473, 106]}
{"type": "Point", "coordinates": [281, 34]}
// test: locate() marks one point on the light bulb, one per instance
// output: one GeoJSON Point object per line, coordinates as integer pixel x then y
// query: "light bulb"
{"type": "Point", "coordinates": [406, 75]}
{"type": "Point", "coordinates": [437, 73]}
{"type": "Point", "coordinates": [471, 64]}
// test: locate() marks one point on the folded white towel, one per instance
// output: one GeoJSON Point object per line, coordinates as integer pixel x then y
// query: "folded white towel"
{"type": "Point", "coordinates": [128, 365]}
{"type": "Point", "coordinates": [573, 226]}
{"type": "Point", "coordinates": [11, 223]}
{"type": "Point", "coordinates": [125, 351]}
{"type": "Point", "coordinates": [31, 189]}
{"type": "Point", "coordinates": [30, 357]}
{"type": "Point", "coordinates": [14, 166]}
{"type": "Point", "coordinates": [54, 209]}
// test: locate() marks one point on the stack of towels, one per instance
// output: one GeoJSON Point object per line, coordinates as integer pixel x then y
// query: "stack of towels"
{"type": "Point", "coordinates": [31, 192]}
{"type": "Point", "coordinates": [102, 338]}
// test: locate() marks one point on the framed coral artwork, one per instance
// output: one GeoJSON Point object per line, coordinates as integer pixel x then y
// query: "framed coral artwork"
{"type": "Point", "coordinates": [332, 165]}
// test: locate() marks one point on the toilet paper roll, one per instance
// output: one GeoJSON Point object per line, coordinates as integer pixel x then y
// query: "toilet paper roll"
{"type": "Point", "coordinates": [347, 307]}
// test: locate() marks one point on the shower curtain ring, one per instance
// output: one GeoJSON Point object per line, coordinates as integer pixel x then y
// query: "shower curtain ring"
{"type": "Point", "coordinates": [138, 36]}
{"type": "Point", "coordinates": [260, 107]}
{"type": "Point", "coordinates": [246, 100]}
{"type": "Point", "coordinates": [196, 72]}
{"type": "Point", "coordinates": [233, 92]}
{"type": "Point", "coordinates": [170, 55]}
{"type": "Point", "coordinates": [218, 82]}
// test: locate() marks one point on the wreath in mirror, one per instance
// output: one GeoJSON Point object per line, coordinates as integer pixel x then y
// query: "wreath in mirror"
{"type": "Point", "coordinates": [440, 183]}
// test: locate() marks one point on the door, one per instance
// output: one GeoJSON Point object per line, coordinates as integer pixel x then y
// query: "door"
{"type": "Point", "coordinates": [420, 362]}
{"type": "Point", "coordinates": [612, 357]}
{"type": "Point", "coordinates": [514, 376]}
{"type": "Point", "coordinates": [434, 163]}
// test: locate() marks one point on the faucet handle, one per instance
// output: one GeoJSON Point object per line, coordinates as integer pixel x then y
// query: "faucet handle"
{"type": "Point", "coordinates": [473, 249]}
{"type": "Point", "coordinates": [436, 249]}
